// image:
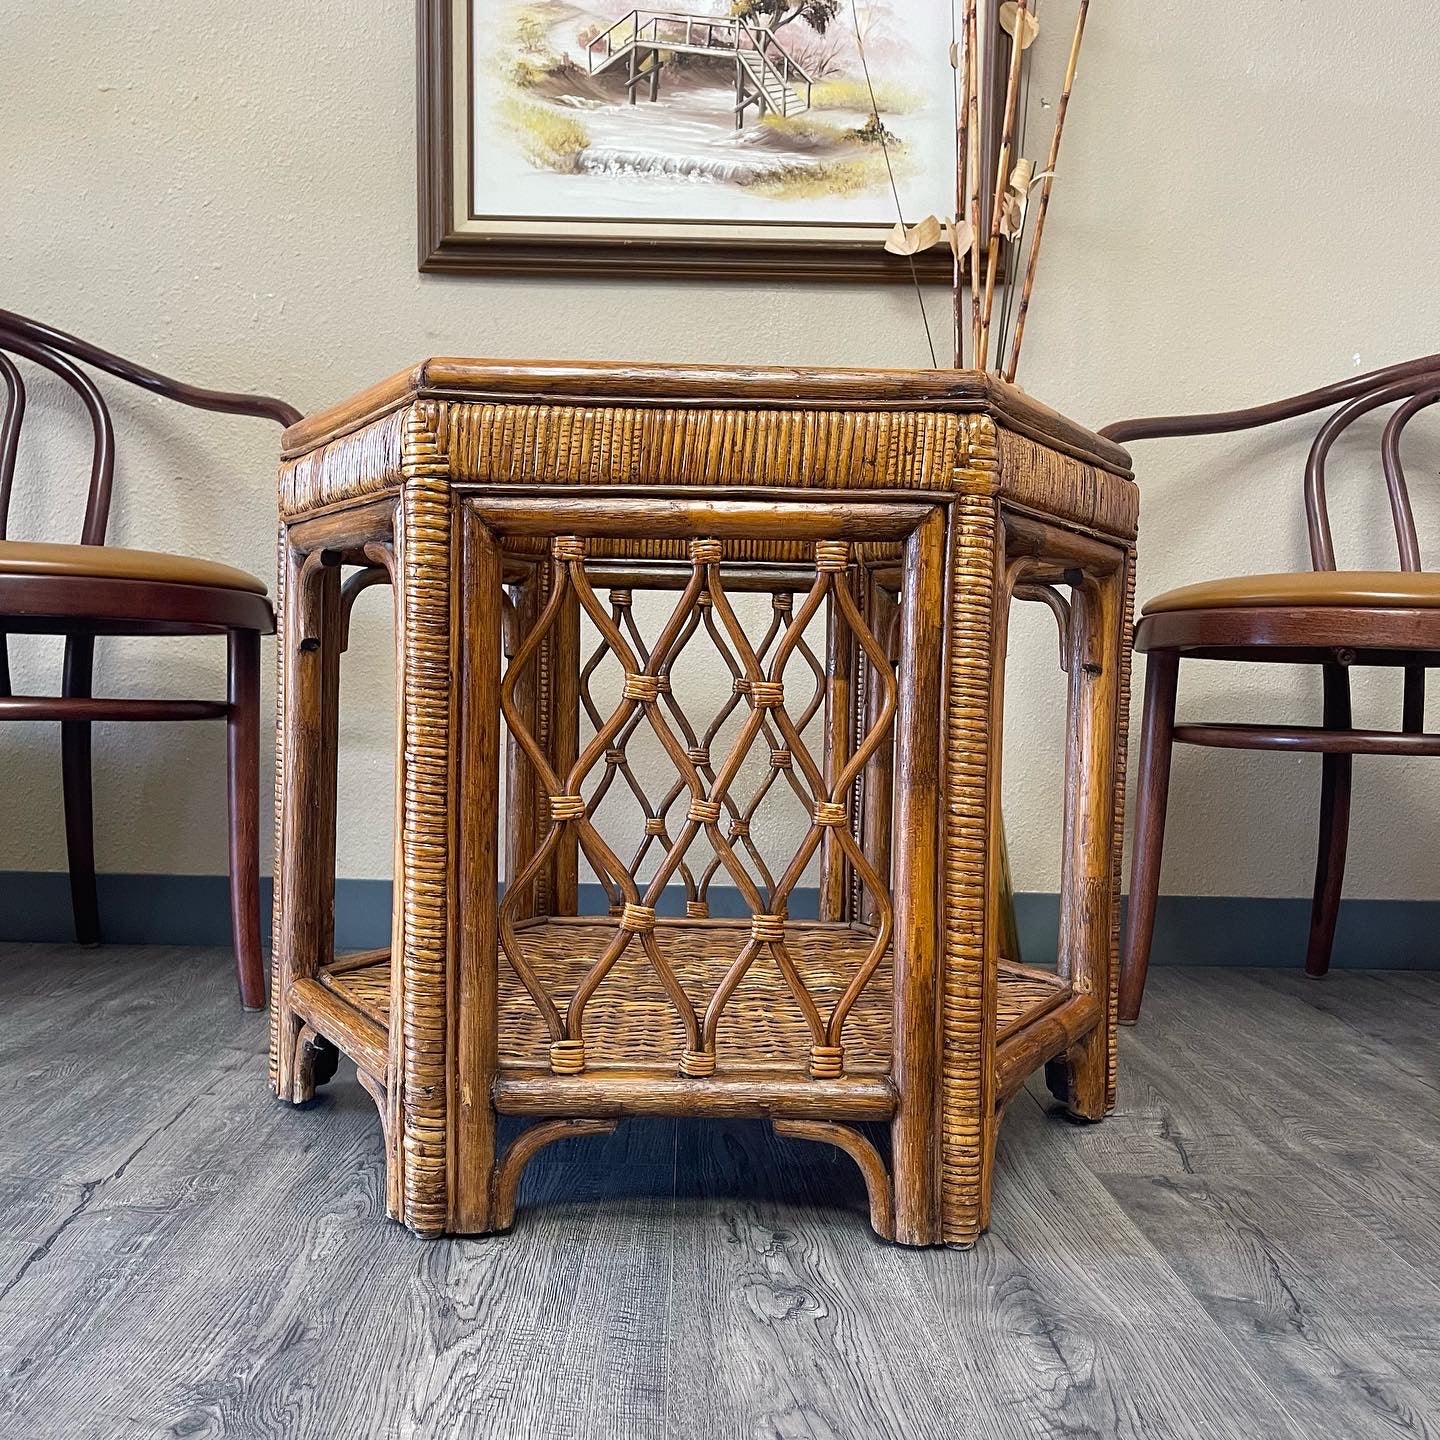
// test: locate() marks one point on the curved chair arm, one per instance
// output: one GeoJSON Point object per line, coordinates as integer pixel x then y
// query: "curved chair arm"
{"type": "Point", "coordinates": [10, 431]}
{"type": "Point", "coordinates": [1226, 421]}
{"type": "Point", "coordinates": [227, 402]}
{"type": "Point", "coordinates": [1395, 470]}
{"type": "Point", "coordinates": [1322, 546]}
{"type": "Point", "coordinates": [102, 464]}
{"type": "Point", "coordinates": [1415, 382]}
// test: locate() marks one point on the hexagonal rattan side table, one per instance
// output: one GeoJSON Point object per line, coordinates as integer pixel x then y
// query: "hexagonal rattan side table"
{"type": "Point", "coordinates": [700, 681]}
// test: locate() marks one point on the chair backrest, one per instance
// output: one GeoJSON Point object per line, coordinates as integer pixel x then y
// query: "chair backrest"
{"type": "Point", "coordinates": [58, 352]}
{"type": "Point", "coordinates": [1412, 387]}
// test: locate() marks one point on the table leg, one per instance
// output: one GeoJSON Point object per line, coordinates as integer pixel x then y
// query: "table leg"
{"type": "Point", "coordinates": [975, 609]}
{"type": "Point", "coordinates": [917, 891]}
{"type": "Point", "coordinates": [309, 643]}
{"type": "Point", "coordinates": [1083, 1077]}
{"type": "Point", "coordinates": [478, 666]}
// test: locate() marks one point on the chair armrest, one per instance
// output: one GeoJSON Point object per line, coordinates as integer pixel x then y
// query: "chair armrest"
{"type": "Point", "coordinates": [1226, 421]}
{"type": "Point", "coordinates": [264, 407]}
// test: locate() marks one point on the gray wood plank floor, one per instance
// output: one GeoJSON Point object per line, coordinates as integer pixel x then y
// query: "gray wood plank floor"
{"type": "Point", "coordinates": [1250, 1247]}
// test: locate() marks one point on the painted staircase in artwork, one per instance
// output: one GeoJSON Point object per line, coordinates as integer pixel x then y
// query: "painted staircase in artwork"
{"type": "Point", "coordinates": [768, 79]}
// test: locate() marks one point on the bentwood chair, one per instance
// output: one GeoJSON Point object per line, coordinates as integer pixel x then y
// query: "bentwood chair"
{"type": "Point", "coordinates": [88, 590]}
{"type": "Point", "coordinates": [1336, 619]}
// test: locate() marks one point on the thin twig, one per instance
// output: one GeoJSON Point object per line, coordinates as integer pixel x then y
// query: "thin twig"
{"type": "Point", "coordinates": [962, 150]}
{"type": "Point", "coordinates": [972, 62]}
{"type": "Point", "coordinates": [894, 188]}
{"type": "Point", "coordinates": [1002, 180]}
{"type": "Point", "coordinates": [1064, 104]}
{"type": "Point", "coordinates": [1017, 242]}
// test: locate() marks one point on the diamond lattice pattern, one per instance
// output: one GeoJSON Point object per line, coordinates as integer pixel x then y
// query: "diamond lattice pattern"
{"type": "Point", "coordinates": [699, 828]}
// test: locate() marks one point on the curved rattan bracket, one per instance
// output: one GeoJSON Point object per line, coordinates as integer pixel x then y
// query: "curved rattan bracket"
{"type": "Point", "coordinates": [316, 1061]}
{"type": "Point", "coordinates": [522, 1150]}
{"type": "Point", "coordinates": [353, 588]}
{"type": "Point", "coordinates": [312, 616]}
{"type": "Point", "coordinates": [375, 1089]}
{"type": "Point", "coordinates": [1060, 607]}
{"type": "Point", "coordinates": [872, 1168]}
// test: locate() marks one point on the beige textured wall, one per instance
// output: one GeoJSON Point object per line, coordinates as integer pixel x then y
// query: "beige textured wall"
{"type": "Point", "coordinates": [226, 191]}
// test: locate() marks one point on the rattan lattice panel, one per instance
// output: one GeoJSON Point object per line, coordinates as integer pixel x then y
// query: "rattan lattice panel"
{"type": "Point", "coordinates": [710, 831]}
{"type": "Point", "coordinates": [635, 1025]}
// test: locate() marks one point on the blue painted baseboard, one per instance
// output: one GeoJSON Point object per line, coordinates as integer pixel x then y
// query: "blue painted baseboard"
{"type": "Point", "coordinates": [1190, 929]}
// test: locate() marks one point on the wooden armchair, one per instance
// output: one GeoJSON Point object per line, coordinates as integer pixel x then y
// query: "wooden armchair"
{"type": "Point", "coordinates": [1333, 618]}
{"type": "Point", "coordinates": [87, 590]}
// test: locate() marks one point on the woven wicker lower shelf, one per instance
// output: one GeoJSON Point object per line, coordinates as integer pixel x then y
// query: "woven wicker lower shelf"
{"type": "Point", "coordinates": [631, 1024]}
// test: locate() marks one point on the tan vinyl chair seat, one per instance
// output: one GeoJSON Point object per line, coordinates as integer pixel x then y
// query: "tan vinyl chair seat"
{"type": "Point", "coordinates": [106, 562]}
{"type": "Point", "coordinates": [1361, 589]}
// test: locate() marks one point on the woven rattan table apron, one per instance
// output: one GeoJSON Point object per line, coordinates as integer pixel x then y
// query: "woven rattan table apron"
{"type": "Point", "coordinates": [720, 597]}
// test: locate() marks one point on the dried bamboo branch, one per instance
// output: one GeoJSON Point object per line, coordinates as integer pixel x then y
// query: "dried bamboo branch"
{"type": "Point", "coordinates": [1002, 180]}
{"type": "Point", "coordinates": [972, 184]}
{"type": "Point", "coordinates": [1010, 257]}
{"type": "Point", "coordinates": [962, 151]}
{"type": "Point", "coordinates": [1064, 104]}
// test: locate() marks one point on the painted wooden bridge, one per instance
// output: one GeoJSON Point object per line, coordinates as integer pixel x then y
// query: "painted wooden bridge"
{"type": "Point", "coordinates": [767, 78]}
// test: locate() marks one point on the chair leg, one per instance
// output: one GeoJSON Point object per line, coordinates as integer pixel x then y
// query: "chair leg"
{"type": "Point", "coordinates": [79, 802]}
{"type": "Point", "coordinates": [1334, 828]}
{"type": "Point", "coordinates": [243, 791]}
{"type": "Point", "coordinates": [1162, 672]}
{"type": "Point", "coordinates": [1413, 705]}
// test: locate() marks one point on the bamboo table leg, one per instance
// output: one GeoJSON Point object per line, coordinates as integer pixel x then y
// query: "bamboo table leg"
{"type": "Point", "coordinates": [1084, 1076]}
{"type": "Point", "coordinates": [308, 643]}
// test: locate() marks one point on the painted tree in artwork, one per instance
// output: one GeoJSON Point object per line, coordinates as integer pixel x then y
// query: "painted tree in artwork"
{"type": "Point", "coordinates": [878, 32]}
{"type": "Point", "coordinates": [774, 13]}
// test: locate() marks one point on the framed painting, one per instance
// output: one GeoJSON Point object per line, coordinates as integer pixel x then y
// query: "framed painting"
{"type": "Point", "coordinates": [718, 138]}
